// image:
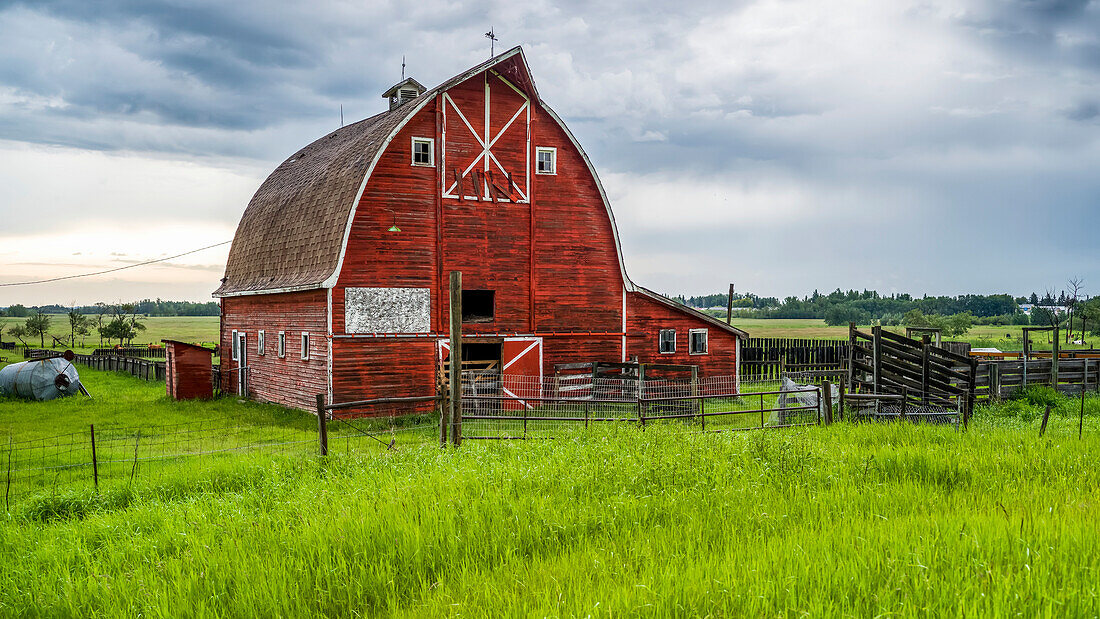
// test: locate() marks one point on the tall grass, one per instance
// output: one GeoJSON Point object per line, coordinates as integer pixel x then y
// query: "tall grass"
{"type": "Point", "coordinates": [862, 520]}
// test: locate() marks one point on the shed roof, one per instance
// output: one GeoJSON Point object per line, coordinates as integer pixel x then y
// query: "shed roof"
{"type": "Point", "coordinates": [292, 233]}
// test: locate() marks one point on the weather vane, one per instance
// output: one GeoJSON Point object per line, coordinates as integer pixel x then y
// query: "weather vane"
{"type": "Point", "coordinates": [492, 42]}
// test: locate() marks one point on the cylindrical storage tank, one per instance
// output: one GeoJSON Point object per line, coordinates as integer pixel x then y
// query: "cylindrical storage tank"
{"type": "Point", "coordinates": [44, 379]}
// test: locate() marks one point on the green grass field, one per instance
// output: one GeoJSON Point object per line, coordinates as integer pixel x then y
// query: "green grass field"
{"type": "Point", "coordinates": [184, 328]}
{"type": "Point", "coordinates": [851, 520]}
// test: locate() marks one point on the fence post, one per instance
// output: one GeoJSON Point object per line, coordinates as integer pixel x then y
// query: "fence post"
{"type": "Point", "coordinates": [7, 487]}
{"type": "Point", "coordinates": [1081, 419]}
{"type": "Point", "coordinates": [1046, 418]}
{"type": "Point", "coordinates": [840, 397]}
{"type": "Point", "coordinates": [95, 461]}
{"type": "Point", "coordinates": [322, 425]}
{"type": "Point", "coordinates": [454, 414]}
{"type": "Point", "coordinates": [444, 406]}
{"type": "Point", "coordinates": [827, 398]}
{"type": "Point", "coordinates": [904, 402]}
{"type": "Point", "coordinates": [1054, 362]}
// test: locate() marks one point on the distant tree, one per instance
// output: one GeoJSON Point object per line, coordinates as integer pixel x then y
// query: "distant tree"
{"type": "Point", "coordinates": [959, 324]}
{"type": "Point", "coordinates": [839, 315]}
{"type": "Point", "coordinates": [1033, 299]}
{"type": "Point", "coordinates": [18, 311]}
{"type": "Point", "coordinates": [38, 324]}
{"type": "Point", "coordinates": [19, 332]}
{"type": "Point", "coordinates": [78, 325]}
{"type": "Point", "coordinates": [1075, 285]}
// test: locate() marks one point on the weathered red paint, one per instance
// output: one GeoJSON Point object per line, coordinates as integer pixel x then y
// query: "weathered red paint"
{"type": "Point", "coordinates": [553, 263]}
{"type": "Point", "coordinates": [188, 371]}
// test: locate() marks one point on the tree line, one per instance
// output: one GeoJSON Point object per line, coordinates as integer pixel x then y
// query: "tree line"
{"type": "Point", "coordinates": [145, 307]}
{"type": "Point", "coordinates": [953, 314]}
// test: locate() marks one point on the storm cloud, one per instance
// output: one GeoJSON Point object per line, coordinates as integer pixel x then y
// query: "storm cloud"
{"type": "Point", "coordinates": [919, 146]}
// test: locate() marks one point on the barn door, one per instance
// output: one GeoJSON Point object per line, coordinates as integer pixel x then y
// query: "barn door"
{"type": "Point", "coordinates": [521, 373]}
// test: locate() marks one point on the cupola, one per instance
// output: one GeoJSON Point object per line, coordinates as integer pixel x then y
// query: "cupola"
{"type": "Point", "coordinates": [404, 91]}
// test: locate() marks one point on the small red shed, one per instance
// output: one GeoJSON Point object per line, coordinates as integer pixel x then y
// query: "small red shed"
{"type": "Point", "coordinates": [188, 374]}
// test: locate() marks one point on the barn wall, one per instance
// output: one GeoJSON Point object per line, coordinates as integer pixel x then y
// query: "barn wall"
{"type": "Point", "coordinates": [577, 283]}
{"type": "Point", "coordinates": [290, 381]}
{"type": "Point", "coordinates": [376, 368]}
{"type": "Point", "coordinates": [645, 319]}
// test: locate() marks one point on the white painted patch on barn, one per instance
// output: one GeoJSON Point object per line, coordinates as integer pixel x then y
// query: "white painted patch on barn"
{"type": "Point", "coordinates": [387, 310]}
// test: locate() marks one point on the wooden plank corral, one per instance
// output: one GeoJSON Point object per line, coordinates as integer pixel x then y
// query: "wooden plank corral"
{"type": "Point", "coordinates": [289, 381]}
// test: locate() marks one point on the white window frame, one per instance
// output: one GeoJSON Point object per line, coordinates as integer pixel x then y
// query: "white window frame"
{"type": "Point", "coordinates": [662, 332]}
{"type": "Point", "coordinates": [305, 345]}
{"type": "Point", "coordinates": [282, 345]}
{"type": "Point", "coordinates": [706, 341]}
{"type": "Point", "coordinates": [431, 152]}
{"type": "Point", "coordinates": [260, 342]}
{"type": "Point", "coordinates": [234, 347]}
{"type": "Point", "coordinates": [553, 160]}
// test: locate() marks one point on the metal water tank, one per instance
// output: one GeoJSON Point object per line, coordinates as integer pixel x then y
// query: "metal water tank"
{"type": "Point", "coordinates": [44, 379]}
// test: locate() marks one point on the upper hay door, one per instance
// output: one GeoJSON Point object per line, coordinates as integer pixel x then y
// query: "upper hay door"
{"type": "Point", "coordinates": [486, 154]}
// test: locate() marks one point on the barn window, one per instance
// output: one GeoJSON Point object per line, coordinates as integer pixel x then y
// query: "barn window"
{"type": "Point", "coordinates": [697, 343]}
{"type": "Point", "coordinates": [423, 152]}
{"type": "Point", "coordinates": [668, 341]}
{"type": "Point", "coordinates": [547, 159]}
{"type": "Point", "coordinates": [305, 346]}
{"type": "Point", "coordinates": [478, 305]}
{"type": "Point", "coordinates": [235, 347]}
{"type": "Point", "coordinates": [282, 344]}
{"type": "Point", "coordinates": [260, 342]}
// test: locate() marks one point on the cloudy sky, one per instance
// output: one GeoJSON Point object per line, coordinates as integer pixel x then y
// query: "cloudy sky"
{"type": "Point", "coordinates": [783, 145]}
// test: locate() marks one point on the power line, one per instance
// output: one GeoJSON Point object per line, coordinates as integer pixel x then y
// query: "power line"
{"type": "Point", "coordinates": [129, 266]}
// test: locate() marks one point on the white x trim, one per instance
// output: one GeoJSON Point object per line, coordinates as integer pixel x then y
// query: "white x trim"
{"type": "Point", "coordinates": [451, 187]}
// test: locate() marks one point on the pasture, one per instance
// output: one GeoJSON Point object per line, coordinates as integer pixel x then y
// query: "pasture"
{"type": "Point", "coordinates": [184, 328]}
{"type": "Point", "coordinates": [1004, 337]}
{"type": "Point", "coordinates": [844, 520]}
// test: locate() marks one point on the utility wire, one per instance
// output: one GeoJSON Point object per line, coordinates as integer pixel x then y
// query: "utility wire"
{"type": "Point", "coordinates": [129, 266]}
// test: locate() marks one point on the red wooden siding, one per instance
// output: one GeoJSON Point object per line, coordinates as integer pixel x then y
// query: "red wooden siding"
{"type": "Point", "coordinates": [188, 372]}
{"type": "Point", "coordinates": [646, 318]}
{"type": "Point", "coordinates": [290, 381]}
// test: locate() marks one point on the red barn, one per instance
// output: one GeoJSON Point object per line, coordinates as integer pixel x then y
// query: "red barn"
{"type": "Point", "coordinates": [337, 280]}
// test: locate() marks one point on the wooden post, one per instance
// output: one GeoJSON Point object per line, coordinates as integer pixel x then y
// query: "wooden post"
{"type": "Point", "coordinates": [699, 404]}
{"type": "Point", "coordinates": [876, 333]}
{"type": "Point", "coordinates": [1081, 419]}
{"type": "Point", "coordinates": [1054, 362]}
{"type": "Point", "coordinates": [994, 381]}
{"type": "Point", "coordinates": [322, 425]}
{"type": "Point", "coordinates": [840, 397]}
{"type": "Point", "coordinates": [454, 415]}
{"type": "Point", "coordinates": [926, 346]}
{"type": "Point", "coordinates": [444, 406]}
{"type": "Point", "coordinates": [95, 461]}
{"type": "Point", "coordinates": [729, 306]}
{"type": "Point", "coordinates": [827, 398]}
{"type": "Point", "coordinates": [904, 401]}
{"type": "Point", "coordinates": [1046, 417]}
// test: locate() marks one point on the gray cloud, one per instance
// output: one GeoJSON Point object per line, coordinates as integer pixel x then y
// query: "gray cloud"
{"type": "Point", "coordinates": [972, 127]}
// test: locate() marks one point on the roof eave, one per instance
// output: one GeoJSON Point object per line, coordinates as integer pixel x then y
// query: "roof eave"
{"type": "Point", "coordinates": [690, 310]}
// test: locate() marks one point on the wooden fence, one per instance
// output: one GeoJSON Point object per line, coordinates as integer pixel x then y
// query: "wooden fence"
{"type": "Point", "coordinates": [766, 358]}
{"type": "Point", "coordinates": [882, 362]}
{"type": "Point", "coordinates": [995, 380]}
{"type": "Point", "coordinates": [141, 368]}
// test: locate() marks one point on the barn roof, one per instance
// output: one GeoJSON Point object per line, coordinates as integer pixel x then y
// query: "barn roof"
{"type": "Point", "coordinates": [292, 233]}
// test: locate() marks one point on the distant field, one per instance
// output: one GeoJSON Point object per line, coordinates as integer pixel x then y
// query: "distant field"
{"type": "Point", "coordinates": [1003, 337]}
{"type": "Point", "coordinates": [186, 328]}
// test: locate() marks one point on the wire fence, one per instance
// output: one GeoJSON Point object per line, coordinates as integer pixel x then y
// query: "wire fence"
{"type": "Point", "coordinates": [523, 407]}
{"type": "Point", "coordinates": [102, 458]}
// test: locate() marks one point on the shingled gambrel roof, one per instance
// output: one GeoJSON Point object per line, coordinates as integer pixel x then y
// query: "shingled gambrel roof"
{"type": "Point", "coordinates": [292, 233]}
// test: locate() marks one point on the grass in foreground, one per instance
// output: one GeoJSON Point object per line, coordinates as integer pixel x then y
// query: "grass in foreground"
{"type": "Point", "coordinates": [847, 520]}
